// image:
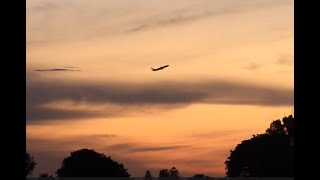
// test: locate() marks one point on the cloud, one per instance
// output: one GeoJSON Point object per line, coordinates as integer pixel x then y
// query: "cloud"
{"type": "Point", "coordinates": [54, 100]}
{"type": "Point", "coordinates": [90, 19]}
{"type": "Point", "coordinates": [43, 6]}
{"type": "Point", "coordinates": [253, 66]}
{"type": "Point", "coordinates": [199, 11]}
{"type": "Point", "coordinates": [218, 134]}
{"type": "Point", "coordinates": [285, 59]}
{"type": "Point", "coordinates": [177, 17]}
{"type": "Point", "coordinates": [59, 69]}
{"type": "Point", "coordinates": [133, 147]}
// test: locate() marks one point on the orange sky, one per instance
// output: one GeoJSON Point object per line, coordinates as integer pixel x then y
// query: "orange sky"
{"type": "Point", "coordinates": [230, 75]}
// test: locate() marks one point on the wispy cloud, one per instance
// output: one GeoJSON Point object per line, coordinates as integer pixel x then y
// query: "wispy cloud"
{"type": "Point", "coordinates": [253, 66]}
{"type": "Point", "coordinates": [59, 69]}
{"type": "Point", "coordinates": [217, 134]}
{"type": "Point", "coordinates": [134, 147]}
{"type": "Point", "coordinates": [123, 20]}
{"type": "Point", "coordinates": [285, 59]}
{"type": "Point", "coordinates": [43, 6]}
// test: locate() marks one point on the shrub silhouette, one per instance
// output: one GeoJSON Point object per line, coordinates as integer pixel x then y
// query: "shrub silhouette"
{"type": "Point", "coordinates": [265, 155]}
{"type": "Point", "coordinates": [30, 164]}
{"type": "Point", "coordinates": [89, 163]}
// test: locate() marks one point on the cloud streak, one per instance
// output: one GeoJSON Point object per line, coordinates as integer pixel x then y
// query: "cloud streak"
{"type": "Point", "coordinates": [45, 99]}
{"type": "Point", "coordinates": [218, 134]}
{"type": "Point", "coordinates": [95, 17]}
{"type": "Point", "coordinates": [133, 147]}
{"type": "Point", "coordinates": [59, 69]}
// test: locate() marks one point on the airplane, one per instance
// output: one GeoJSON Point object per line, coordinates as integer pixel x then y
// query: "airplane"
{"type": "Point", "coordinates": [160, 68]}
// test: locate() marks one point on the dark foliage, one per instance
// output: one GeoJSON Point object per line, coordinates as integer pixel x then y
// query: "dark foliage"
{"type": "Point", "coordinates": [172, 173]}
{"type": "Point", "coordinates": [30, 164]}
{"type": "Point", "coordinates": [265, 155]}
{"type": "Point", "coordinates": [89, 163]}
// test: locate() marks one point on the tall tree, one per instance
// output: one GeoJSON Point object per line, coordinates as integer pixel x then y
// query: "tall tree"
{"type": "Point", "coordinates": [174, 172]}
{"type": "Point", "coordinates": [89, 163]}
{"type": "Point", "coordinates": [30, 164]}
{"type": "Point", "coordinates": [264, 155]}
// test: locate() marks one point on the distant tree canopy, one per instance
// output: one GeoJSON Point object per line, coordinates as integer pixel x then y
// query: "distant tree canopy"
{"type": "Point", "coordinates": [148, 174]}
{"type": "Point", "coordinates": [89, 163]}
{"type": "Point", "coordinates": [198, 176]}
{"type": "Point", "coordinates": [45, 175]}
{"type": "Point", "coordinates": [172, 173]}
{"type": "Point", "coordinates": [164, 173]}
{"type": "Point", "coordinates": [265, 155]}
{"type": "Point", "coordinates": [30, 164]}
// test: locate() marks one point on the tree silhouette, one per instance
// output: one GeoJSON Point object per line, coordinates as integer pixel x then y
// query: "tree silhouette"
{"type": "Point", "coordinates": [45, 175]}
{"type": "Point", "coordinates": [276, 128]}
{"type": "Point", "coordinates": [172, 173]}
{"type": "Point", "coordinates": [164, 173]}
{"type": "Point", "coordinates": [264, 155]}
{"type": "Point", "coordinates": [30, 164]}
{"type": "Point", "coordinates": [288, 123]}
{"type": "Point", "coordinates": [148, 175]}
{"type": "Point", "coordinates": [89, 163]}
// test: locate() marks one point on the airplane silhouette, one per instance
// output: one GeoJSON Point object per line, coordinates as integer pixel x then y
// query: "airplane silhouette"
{"type": "Point", "coordinates": [160, 68]}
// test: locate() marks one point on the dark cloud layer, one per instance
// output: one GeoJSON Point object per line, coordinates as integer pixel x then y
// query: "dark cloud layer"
{"type": "Point", "coordinates": [143, 95]}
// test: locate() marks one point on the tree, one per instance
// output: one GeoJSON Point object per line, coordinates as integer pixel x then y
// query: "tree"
{"type": "Point", "coordinates": [148, 175]}
{"type": "Point", "coordinates": [174, 172]}
{"type": "Point", "coordinates": [264, 155]}
{"type": "Point", "coordinates": [89, 163]}
{"type": "Point", "coordinates": [164, 173]}
{"type": "Point", "coordinates": [30, 164]}
{"type": "Point", "coordinates": [276, 128]}
{"type": "Point", "coordinates": [288, 123]}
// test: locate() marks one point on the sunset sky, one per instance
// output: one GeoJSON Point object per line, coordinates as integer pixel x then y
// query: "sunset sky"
{"type": "Point", "coordinates": [230, 75]}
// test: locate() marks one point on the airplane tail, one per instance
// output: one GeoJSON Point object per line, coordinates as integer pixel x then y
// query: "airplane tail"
{"type": "Point", "coordinates": [152, 69]}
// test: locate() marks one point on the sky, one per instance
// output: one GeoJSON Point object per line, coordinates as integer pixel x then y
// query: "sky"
{"type": "Point", "coordinates": [90, 83]}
